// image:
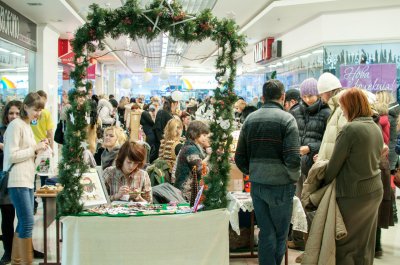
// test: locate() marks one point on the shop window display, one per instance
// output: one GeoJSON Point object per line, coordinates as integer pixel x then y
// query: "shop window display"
{"type": "Point", "coordinates": [14, 71]}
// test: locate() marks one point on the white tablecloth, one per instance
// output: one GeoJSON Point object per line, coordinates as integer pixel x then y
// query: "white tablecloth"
{"type": "Point", "coordinates": [242, 201]}
{"type": "Point", "coordinates": [200, 238]}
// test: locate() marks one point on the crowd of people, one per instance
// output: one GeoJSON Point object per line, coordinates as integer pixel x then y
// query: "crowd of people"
{"type": "Point", "coordinates": [335, 148]}
{"type": "Point", "coordinates": [299, 142]}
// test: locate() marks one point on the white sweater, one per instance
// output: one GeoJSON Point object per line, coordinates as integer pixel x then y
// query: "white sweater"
{"type": "Point", "coordinates": [19, 149]}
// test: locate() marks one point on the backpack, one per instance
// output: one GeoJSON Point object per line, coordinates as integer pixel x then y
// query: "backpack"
{"type": "Point", "coordinates": [158, 169]}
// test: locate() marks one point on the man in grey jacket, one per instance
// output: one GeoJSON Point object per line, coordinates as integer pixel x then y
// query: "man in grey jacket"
{"type": "Point", "coordinates": [268, 151]}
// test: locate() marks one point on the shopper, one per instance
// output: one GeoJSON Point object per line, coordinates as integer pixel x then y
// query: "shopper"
{"type": "Point", "coordinates": [186, 119]}
{"type": "Point", "coordinates": [192, 154]}
{"type": "Point", "coordinates": [311, 118]}
{"type": "Point", "coordinates": [105, 111]}
{"type": "Point", "coordinates": [127, 180]}
{"type": "Point", "coordinates": [20, 148]}
{"type": "Point", "coordinates": [292, 99]}
{"type": "Point", "coordinates": [11, 112]}
{"type": "Point", "coordinates": [114, 137]}
{"type": "Point", "coordinates": [355, 166]}
{"type": "Point", "coordinates": [162, 118]}
{"type": "Point", "coordinates": [385, 215]}
{"type": "Point", "coordinates": [43, 128]}
{"type": "Point", "coordinates": [330, 90]}
{"type": "Point", "coordinates": [268, 151]}
{"type": "Point", "coordinates": [171, 144]}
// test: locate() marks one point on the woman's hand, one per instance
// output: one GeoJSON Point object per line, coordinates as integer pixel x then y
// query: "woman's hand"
{"type": "Point", "coordinates": [123, 190]}
{"type": "Point", "coordinates": [42, 145]}
{"type": "Point", "coordinates": [304, 150]}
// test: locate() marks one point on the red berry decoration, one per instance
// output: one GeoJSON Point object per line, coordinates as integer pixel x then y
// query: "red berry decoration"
{"type": "Point", "coordinates": [127, 21]}
{"type": "Point", "coordinates": [92, 33]}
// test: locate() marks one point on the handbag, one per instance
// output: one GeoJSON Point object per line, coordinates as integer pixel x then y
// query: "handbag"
{"type": "Point", "coordinates": [396, 178]}
{"type": "Point", "coordinates": [4, 182]}
{"type": "Point", "coordinates": [59, 133]}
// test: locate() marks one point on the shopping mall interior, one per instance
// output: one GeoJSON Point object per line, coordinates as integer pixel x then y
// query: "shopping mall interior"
{"type": "Point", "coordinates": [192, 51]}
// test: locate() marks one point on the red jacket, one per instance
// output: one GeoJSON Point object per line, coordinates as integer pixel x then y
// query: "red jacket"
{"type": "Point", "coordinates": [384, 122]}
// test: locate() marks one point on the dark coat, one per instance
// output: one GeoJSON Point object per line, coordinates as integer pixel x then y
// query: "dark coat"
{"type": "Point", "coordinates": [311, 121]}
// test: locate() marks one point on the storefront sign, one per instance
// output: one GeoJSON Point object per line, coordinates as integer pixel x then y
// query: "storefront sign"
{"type": "Point", "coordinates": [372, 77]}
{"type": "Point", "coordinates": [16, 28]}
{"type": "Point", "coordinates": [262, 50]}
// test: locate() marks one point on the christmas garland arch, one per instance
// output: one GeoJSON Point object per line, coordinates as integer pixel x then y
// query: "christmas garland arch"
{"type": "Point", "coordinates": [130, 19]}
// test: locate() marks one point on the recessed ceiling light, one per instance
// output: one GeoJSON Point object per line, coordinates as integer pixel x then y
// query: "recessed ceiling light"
{"type": "Point", "coordinates": [34, 4]}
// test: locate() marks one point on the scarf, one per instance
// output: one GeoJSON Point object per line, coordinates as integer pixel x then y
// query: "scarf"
{"type": "Point", "coordinates": [108, 157]}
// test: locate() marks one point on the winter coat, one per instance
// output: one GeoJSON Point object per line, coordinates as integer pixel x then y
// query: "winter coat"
{"type": "Point", "coordinates": [328, 225]}
{"type": "Point", "coordinates": [335, 124]}
{"type": "Point", "coordinates": [105, 110]}
{"type": "Point", "coordinates": [311, 121]}
{"type": "Point", "coordinates": [394, 111]}
{"type": "Point", "coordinates": [385, 125]}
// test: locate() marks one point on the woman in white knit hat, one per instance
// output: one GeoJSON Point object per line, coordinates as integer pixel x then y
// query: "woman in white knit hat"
{"type": "Point", "coordinates": [330, 90]}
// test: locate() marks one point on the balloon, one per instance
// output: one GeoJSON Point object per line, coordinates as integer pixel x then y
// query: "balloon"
{"type": "Point", "coordinates": [164, 74]}
{"type": "Point", "coordinates": [177, 95]}
{"type": "Point", "coordinates": [147, 76]}
{"type": "Point", "coordinates": [126, 83]}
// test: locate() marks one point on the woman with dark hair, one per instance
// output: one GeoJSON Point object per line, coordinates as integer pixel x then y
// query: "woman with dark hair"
{"type": "Point", "coordinates": [20, 149]}
{"type": "Point", "coordinates": [11, 112]}
{"type": "Point", "coordinates": [192, 154]}
{"type": "Point", "coordinates": [162, 118]}
{"type": "Point", "coordinates": [127, 180]}
{"type": "Point", "coordinates": [355, 166]}
{"type": "Point", "coordinates": [186, 119]}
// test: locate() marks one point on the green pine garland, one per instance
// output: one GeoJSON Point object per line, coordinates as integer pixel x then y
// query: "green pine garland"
{"type": "Point", "coordinates": [131, 20]}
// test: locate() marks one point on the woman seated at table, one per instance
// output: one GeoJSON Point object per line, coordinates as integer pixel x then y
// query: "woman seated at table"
{"type": "Point", "coordinates": [192, 154]}
{"type": "Point", "coordinates": [127, 180]}
{"type": "Point", "coordinates": [114, 137]}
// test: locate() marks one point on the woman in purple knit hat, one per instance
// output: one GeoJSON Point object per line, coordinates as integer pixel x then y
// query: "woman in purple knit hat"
{"type": "Point", "coordinates": [311, 117]}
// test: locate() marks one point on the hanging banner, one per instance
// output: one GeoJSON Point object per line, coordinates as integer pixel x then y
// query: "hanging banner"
{"type": "Point", "coordinates": [372, 77]}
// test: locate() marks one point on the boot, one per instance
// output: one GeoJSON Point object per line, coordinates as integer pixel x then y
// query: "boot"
{"type": "Point", "coordinates": [299, 259]}
{"type": "Point", "coordinates": [26, 250]}
{"type": "Point", "coordinates": [15, 255]}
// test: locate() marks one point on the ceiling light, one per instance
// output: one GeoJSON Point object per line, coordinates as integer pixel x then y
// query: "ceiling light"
{"type": "Point", "coordinates": [294, 59]}
{"type": "Point", "coordinates": [286, 62]}
{"type": "Point", "coordinates": [164, 49]}
{"type": "Point", "coordinates": [7, 69]}
{"type": "Point", "coordinates": [16, 54]}
{"type": "Point", "coordinates": [279, 64]}
{"type": "Point", "coordinates": [317, 51]}
{"type": "Point", "coordinates": [4, 50]}
{"type": "Point", "coordinates": [34, 4]}
{"type": "Point", "coordinates": [305, 56]}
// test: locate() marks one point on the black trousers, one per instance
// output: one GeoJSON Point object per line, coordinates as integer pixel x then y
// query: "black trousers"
{"type": "Point", "coordinates": [7, 227]}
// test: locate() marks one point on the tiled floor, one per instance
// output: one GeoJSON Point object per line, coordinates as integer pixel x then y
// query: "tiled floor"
{"type": "Point", "coordinates": [390, 242]}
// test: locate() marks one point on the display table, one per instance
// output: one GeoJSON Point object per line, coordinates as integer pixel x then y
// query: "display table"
{"type": "Point", "coordinates": [49, 215]}
{"type": "Point", "coordinates": [242, 201]}
{"type": "Point", "coordinates": [200, 238]}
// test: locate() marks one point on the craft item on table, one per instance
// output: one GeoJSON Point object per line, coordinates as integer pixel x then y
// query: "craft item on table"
{"type": "Point", "coordinates": [133, 208]}
{"type": "Point", "coordinates": [42, 162]}
{"type": "Point", "coordinates": [49, 189]}
{"type": "Point", "coordinates": [197, 200]}
{"type": "Point", "coordinates": [195, 186]}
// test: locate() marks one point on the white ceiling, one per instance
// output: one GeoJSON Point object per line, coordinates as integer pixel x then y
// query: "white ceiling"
{"type": "Point", "coordinates": [256, 18]}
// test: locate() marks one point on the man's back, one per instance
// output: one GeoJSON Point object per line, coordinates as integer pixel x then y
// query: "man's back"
{"type": "Point", "coordinates": [268, 147]}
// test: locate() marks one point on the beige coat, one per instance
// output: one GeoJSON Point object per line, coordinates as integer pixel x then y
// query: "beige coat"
{"type": "Point", "coordinates": [328, 225]}
{"type": "Point", "coordinates": [335, 124]}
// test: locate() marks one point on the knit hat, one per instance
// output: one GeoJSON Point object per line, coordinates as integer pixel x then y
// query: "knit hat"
{"type": "Point", "coordinates": [309, 87]}
{"type": "Point", "coordinates": [328, 82]}
{"type": "Point", "coordinates": [292, 94]}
